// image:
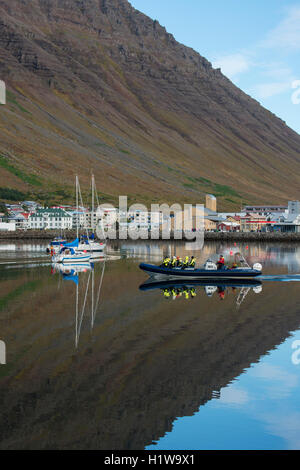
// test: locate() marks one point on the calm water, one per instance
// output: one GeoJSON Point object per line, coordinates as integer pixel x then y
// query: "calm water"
{"type": "Point", "coordinates": [99, 359]}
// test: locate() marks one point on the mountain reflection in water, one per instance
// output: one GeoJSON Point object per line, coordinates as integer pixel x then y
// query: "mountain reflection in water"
{"type": "Point", "coordinates": [115, 370]}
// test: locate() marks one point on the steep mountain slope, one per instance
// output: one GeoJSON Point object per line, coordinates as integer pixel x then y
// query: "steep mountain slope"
{"type": "Point", "coordinates": [96, 85]}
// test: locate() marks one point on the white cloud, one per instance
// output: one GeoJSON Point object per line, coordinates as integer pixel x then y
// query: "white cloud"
{"type": "Point", "coordinates": [233, 395]}
{"type": "Point", "coordinates": [267, 90]}
{"type": "Point", "coordinates": [285, 425]}
{"type": "Point", "coordinates": [282, 80]}
{"type": "Point", "coordinates": [279, 382]}
{"type": "Point", "coordinates": [287, 33]}
{"type": "Point", "coordinates": [233, 65]}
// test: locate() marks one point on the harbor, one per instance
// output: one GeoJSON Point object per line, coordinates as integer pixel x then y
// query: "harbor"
{"type": "Point", "coordinates": [209, 236]}
{"type": "Point", "coordinates": [136, 366]}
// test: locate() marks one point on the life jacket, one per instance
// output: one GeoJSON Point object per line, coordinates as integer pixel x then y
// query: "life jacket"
{"type": "Point", "coordinates": [167, 293]}
{"type": "Point", "coordinates": [193, 262]}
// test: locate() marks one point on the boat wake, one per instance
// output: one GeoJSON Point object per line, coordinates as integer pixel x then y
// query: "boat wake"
{"type": "Point", "coordinates": [281, 277]}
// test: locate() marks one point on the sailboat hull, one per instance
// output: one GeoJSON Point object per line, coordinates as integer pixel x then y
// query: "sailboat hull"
{"type": "Point", "coordinates": [65, 259]}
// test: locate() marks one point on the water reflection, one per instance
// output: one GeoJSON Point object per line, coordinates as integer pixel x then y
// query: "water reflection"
{"type": "Point", "coordinates": [143, 366]}
{"type": "Point", "coordinates": [175, 290]}
{"type": "Point", "coordinates": [71, 272]}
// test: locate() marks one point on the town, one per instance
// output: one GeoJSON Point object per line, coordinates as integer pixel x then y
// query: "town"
{"type": "Point", "coordinates": [30, 215]}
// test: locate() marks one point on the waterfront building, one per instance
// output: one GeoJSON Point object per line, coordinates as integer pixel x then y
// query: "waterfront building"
{"type": "Point", "coordinates": [231, 224]}
{"type": "Point", "coordinates": [290, 226]}
{"type": "Point", "coordinates": [20, 219]}
{"type": "Point", "coordinates": [211, 202]}
{"type": "Point", "coordinates": [253, 222]}
{"type": "Point", "coordinates": [264, 209]}
{"type": "Point", "coordinates": [143, 220]}
{"type": "Point", "coordinates": [7, 227]}
{"type": "Point", "coordinates": [50, 219]}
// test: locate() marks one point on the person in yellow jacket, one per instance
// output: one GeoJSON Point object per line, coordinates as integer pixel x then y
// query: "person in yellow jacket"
{"type": "Point", "coordinates": [186, 262]}
{"type": "Point", "coordinates": [167, 293]}
{"type": "Point", "coordinates": [166, 262]}
{"type": "Point", "coordinates": [186, 294]}
{"type": "Point", "coordinates": [192, 262]}
{"type": "Point", "coordinates": [193, 293]}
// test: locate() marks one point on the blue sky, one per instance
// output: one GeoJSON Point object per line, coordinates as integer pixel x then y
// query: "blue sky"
{"type": "Point", "coordinates": [256, 44]}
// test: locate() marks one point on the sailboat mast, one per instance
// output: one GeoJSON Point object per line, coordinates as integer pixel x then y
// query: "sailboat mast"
{"type": "Point", "coordinates": [77, 209]}
{"type": "Point", "coordinates": [93, 202]}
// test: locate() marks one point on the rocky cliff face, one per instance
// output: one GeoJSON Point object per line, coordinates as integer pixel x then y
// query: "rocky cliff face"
{"type": "Point", "coordinates": [96, 85]}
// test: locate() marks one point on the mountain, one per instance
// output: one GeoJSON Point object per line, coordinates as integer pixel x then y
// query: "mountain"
{"type": "Point", "coordinates": [95, 85]}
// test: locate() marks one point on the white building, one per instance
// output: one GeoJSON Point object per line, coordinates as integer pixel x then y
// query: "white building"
{"type": "Point", "coordinates": [289, 221]}
{"type": "Point", "coordinates": [7, 227]}
{"type": "Point", "coordinates": [50, 219]}
{"type": "Point", "coordinates": [143, 220]}
{"type": "Point", "coordinates": [20, 220]}
{"type": "Point", "coordinates": [293, 208]}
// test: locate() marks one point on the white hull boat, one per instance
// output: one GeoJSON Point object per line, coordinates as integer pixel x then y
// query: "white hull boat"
{"type": "Point", "coordinates": [77, 258]}
{"type": "Point", "coordinates": [70, 256]}
{"type": "Point", "coordinates": [91, 247]}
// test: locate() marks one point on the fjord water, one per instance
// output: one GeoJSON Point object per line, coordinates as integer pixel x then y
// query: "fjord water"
{"type": "Point", "coordinates": [130, 368]}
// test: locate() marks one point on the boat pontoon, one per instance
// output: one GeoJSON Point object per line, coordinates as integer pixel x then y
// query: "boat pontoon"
{"type": "Point", "coordinates": [208, 271]}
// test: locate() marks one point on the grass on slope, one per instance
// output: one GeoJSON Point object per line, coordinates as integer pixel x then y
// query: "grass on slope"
{"type": "Point", "coordinates": [30, 179]}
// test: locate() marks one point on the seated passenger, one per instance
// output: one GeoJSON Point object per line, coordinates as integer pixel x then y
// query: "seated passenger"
{"type": "Point", "coordinates": [192, 262]}
{"type": "Point", "coordinates": [186, 262]}
{"type": "Point", "coordinates": [167, 293]}
{"type": "Point", "coordinates": [193, 292]}
{"type": "Point", "coordinates": [221, 262]}
{"type": "Point", "coordinates": [166, 262]}
{"type": "Point", "coordinates": [234, 266]}
{"type": "Point", "coordinates": [178, 262]}
{"type": "Point", "coordinates": [186, 293]}
{"type": "Point", "coordinates": [173, 262]}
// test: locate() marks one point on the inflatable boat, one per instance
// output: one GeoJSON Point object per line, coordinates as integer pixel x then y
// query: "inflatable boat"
{"type": "Point", "coordinates": [208, 271]}
{"type": "Point", "coordinates": [190, 283]}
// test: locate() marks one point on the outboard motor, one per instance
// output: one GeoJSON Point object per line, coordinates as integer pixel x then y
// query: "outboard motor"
{"type": "Point", "coordinates": [257, 289]}
{"type": "Point", "coordinates": [210, 266]}
{"type": "Point", "coordinates": [210, 290]}
{"type": "Point", "coordinates": [257, 267]}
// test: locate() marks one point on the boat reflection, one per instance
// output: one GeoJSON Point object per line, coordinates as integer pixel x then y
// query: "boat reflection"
{"type": "Point", "coordinates": [173, 290]}
{"type": "Point", "coordinates": [71, 272]}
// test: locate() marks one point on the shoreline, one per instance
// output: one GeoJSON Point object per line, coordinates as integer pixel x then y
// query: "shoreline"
{"type": "Point", "coordinates": [208, 236]}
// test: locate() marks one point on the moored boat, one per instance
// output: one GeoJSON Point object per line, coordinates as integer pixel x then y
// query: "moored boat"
{"type": "Point", "coordinates": [90, 245]}
{"type": "Point", "coordinates": [69, 255]}
{"type": "Point", "coordinates": [56, 244]}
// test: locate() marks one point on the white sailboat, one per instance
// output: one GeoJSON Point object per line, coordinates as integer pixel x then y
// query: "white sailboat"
{"type": "Point", "coordinates": [88, 243]}
{"type": "Point", "coordinates": [71, 252]}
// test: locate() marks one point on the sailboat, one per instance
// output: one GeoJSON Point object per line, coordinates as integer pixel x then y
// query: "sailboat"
{"type": "Point", "coordinates": [71, 252]}
{"type": "Point", "coordinates": [88, 243]}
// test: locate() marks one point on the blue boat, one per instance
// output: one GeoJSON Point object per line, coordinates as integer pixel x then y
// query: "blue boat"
{"type": "Point", "coordinates": [208, 271]}
{"type": "Point", "coordinates": [189, 283]}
